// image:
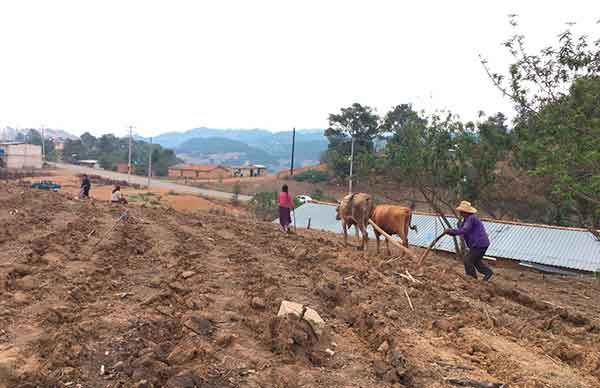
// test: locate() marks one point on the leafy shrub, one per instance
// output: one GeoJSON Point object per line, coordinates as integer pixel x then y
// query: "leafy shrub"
{"type": "Point", "coordinates": [265, 205]}
{"type": "Point", "coordinates": [312, 176]}
{"type": "Point", "coordinates": [317, 194]}
{"type": "Point", "coordinates": [237, 189]}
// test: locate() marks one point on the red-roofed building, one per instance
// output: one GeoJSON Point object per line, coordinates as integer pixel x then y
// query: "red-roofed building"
{"type": "Point", "coordinates": [123, 167]}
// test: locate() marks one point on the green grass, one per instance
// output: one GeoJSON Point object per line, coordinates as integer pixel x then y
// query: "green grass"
{"type": "Point", "coordinates": [142, 197]}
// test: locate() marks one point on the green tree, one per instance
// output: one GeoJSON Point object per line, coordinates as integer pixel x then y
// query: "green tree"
{"type": "Point", "coordinates": [34, 137]}
{"type": "Point", "coordinates": [89, 142]}
{"type": "Point", "coordinates": [442, 158]}
{"type": "Point", "coordinates": [423, 153]}
{"type": "Point", "coordinates": [162, 159]}
{"type": "Point", "coordinates": [110, 150]}
{"type": "Point", "coordinates": [479, 148]}
{"type": "Point", "coordinates": [356, 122]}
{"type": "Point", "coordinates": [556, 93]}
{"type": "Point", "coordinates": [74, 150]}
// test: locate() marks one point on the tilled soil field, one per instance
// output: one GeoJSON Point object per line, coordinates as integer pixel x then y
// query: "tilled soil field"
{"type": "Point", "coordinates": [166, 299]}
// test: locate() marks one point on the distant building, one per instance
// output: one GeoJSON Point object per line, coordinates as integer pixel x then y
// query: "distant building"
{"type": "Point", "coordinates": [89, 163]}
{"type": "Point", "coordinates": [17, 155]}
{"type": "Point", "coordinates": [250, 170]}
{"type": "Point", "coordinates": [123, 168]}
{"type": "Point", "coordinates": [195, 171]}
{"type": "Point", "coordinates": [59, 144]}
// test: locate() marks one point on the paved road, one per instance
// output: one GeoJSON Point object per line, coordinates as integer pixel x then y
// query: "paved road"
{"type": "Point", "coordinates": [153, 183]}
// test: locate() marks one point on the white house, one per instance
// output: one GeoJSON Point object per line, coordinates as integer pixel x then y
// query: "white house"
{"type": "Point", "coordinates": [16, 155]}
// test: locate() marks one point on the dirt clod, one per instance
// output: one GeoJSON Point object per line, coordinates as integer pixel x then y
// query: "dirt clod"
{"type": "Point", "coordinates": [199, 324]}
{"type": "Point", "coordinates": [258, 303]}
{"type": "Point", "coordinates": [224, 340]}
{"type": "Point", "coordinates": [381, 368]}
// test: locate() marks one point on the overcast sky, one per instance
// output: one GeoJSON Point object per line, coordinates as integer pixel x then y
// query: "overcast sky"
{"type": "Point", "coordinates": [174, 65]}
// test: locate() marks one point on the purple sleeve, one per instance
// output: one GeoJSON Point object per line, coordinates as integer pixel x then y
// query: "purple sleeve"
{"type": "Point", "coordinates": [464, 229]}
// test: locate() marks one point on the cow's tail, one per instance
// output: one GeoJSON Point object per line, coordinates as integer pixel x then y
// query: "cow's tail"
{"type": "Point", "coordinates": [370, 206]}
{"type": "Point", "coordinates": [412, 209]}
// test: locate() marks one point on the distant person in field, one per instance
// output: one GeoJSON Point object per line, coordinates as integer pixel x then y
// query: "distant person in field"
{"type": "Point", "coordinates": [86, 185]}
{"type": "Point", "coordinates": [286, 204]}
{"type": "Point", "coordinates": [471, 228]}
{"type": "Point", "coordinates": [117, 196]}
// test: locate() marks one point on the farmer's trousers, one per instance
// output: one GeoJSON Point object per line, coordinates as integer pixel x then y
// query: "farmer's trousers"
{"type": "Point", "coordinates": [474, 260]}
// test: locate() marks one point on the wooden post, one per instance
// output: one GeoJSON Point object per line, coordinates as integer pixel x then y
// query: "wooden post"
{"type": "Point", "coordinates": [390, 239]}
{"type": "Point", "coordinates": [429, 248]}
{"type": "Point", "coordinates": [293, 146]}
{"type": "Point", "coordinates": [308, 226]}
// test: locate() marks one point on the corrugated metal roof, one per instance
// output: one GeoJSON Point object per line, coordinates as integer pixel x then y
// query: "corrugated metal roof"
{"type": "Point", "coordinates": [573, 249]}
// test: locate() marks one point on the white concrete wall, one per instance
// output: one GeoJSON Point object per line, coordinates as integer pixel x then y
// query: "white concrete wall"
{"type": "Point", "coordinates": [22, 155]}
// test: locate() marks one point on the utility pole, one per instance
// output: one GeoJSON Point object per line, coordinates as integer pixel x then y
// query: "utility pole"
{"type": "Point", "coordinates": [43, 146]}
{"type": "Point", "coordinates": [351, 163]}
{"type": "Point", "coordinates": [293, 146]}
{"type": "Point", "coordinates": [150, 163]}
{"type": "Point", "coordinates": [129, 163]}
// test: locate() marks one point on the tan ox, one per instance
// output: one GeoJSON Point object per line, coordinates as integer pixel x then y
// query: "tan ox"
{"type": "Point", "coordinates": [355, 209]}
{"type": "Point", "coordinates": [393, 220]}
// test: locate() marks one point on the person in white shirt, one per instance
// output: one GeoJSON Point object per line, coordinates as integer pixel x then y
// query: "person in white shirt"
{"type": "Point", "coordinates": [117, 197]}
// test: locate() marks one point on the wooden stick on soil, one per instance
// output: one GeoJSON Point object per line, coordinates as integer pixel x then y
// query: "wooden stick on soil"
{"type": "Point", "coordinates": [411, 277]}
{"type": "Point", "coordinates": [490, 321]}
{"type": "Point", "coordinates": [121, 218]}
{"type": "Point", "coordinates": [429, 248]}
{"type": "Point", "coordinates": [390, 260]}
{"type": "Point", "coordinates": [391, 240]}
{"type": "Point", "coordinates": [409, 301]}
{"type": "Point", "coordinates": [474, 383]}
{"type": "Point", "coordinates": [403, 276]}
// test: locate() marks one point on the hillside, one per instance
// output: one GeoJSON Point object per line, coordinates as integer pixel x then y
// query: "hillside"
{"type": "Point", "coordinates": [9, 133]}
{"type": "Point", "coordinates": [173, 300]}
{"type": "Point", "coordinates": [218, 150]}
{"type": "Point", "coordinates": [275, 145]}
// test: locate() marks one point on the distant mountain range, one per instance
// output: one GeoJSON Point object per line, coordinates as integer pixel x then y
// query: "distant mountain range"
{"type": "Point", "coordinates": [225, 146]}
{"type": "Point", "coordinates": [238, 146]}
{"type": "Point", "coordinates": [10, 133]}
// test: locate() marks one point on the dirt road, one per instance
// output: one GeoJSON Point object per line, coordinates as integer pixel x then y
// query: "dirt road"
{"type": "Point", "coordinates": [154, 182]}
{"type": "Point", "coordinates": [70, 183]}
{"type": "Point", "coordinates": [168, 299]}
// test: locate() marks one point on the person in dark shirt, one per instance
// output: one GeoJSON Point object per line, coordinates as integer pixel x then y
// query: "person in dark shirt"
{"type": "Point", "coordinates": [476, 239]}
{"type": "Point", "coordinates": [85, 186]}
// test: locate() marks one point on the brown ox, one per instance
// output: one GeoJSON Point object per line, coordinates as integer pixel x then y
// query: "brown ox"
{"type": "Point", "coordinates": [393, 220]}
{"type": "Point", "coordinates": [355, 209]}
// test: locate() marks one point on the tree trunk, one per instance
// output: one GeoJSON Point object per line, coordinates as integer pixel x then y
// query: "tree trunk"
{"type": "Point", "coordinates": [436, 208]}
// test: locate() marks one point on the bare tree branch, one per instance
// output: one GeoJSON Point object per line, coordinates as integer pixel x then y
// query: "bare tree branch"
{"type": "Point", "coordinates": [503, 89]}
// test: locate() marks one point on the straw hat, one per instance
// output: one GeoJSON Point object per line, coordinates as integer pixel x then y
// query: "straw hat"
{"type": "Point", "coordinates": [466, 207]}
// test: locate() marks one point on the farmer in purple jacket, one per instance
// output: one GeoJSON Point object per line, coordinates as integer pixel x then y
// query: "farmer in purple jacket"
{"type": "Point", "coordinates": [476, 239]}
